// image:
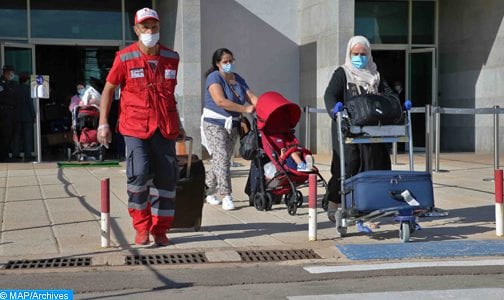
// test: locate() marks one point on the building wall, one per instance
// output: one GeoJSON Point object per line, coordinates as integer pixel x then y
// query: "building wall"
{"type": "Point", "coordinates": [325, 28]}
{"type": "Point", "coordinates": [266, 54]}
{"type": "Point", "coordinates": [471, 67]}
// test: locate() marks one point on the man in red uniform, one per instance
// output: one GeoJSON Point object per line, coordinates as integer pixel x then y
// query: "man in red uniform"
{"type": "Point", "coordinates": [146, 71]}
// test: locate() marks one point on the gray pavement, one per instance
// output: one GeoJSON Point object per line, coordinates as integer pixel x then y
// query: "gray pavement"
{"type": "Point", "coordinates": [50, 212]}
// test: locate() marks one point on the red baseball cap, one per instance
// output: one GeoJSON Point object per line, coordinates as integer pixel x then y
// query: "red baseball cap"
{"type": "Point", "coordinates": [144, 14]}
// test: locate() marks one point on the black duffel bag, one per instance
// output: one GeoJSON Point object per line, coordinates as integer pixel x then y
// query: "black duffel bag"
{"type": "Point", "coordinates": [372, 110]}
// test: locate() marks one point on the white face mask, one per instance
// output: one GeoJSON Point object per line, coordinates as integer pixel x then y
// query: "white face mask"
{"type": "Point", "coordinates": [149, 40]}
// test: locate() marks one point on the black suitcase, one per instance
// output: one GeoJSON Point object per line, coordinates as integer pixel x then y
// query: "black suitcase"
{"type": "Point", "coordinates": [190, 191]}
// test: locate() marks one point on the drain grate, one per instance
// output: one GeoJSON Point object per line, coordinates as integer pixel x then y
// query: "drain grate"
{"type": "Point", "coordinates": [48, 263]}
{"type": "Point", "coordinates": [167, 259]}
{"type": "Point", "coordinates": [277, 255]}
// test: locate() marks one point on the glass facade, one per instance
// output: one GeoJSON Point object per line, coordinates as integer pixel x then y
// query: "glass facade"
{"type": "Point", "coordinates": [386, 22]}
{"type": "Point", "coordinates": [423, 22]}
{"type": "Point", "coordinates": [95, 19]}
{"type": "Point", "coordinates": [20, 58]}
{"type": "Point", "coordinates": [73, 20]}
{"type": "Point", "coordinates": [382, 22]}
{"type": "Point", "coordinates": [13, 19]}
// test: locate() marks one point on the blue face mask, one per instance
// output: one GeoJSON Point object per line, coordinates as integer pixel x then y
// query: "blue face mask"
{"type": "Point", "coordinates": [359, 61]}
{"type": "Point", "coordinates": [228, 68]}
{"type": "Point", "coordinates": [80, 92]}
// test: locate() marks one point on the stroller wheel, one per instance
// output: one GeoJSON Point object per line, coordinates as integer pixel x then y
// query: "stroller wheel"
{"type": "Point", "coordinates": [292, 208]}
{"type": "Point", "coordinates": [299, 199]}
{"type": "Point", "coordinates": [251, 200]}
{"type": "Point", "coordinates": [260, 201]}
{"type": "Point", "coordinates": [269, 200]}
{"type": "Point", "coordinates": [325, 202]}
{"type": "Point", "coordinates": [101, 156]}
{"type": "Point", "coordinates": [69, 154]}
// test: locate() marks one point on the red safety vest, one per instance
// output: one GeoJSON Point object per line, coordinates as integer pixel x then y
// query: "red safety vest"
{"type": "Point", "coordinates": [147, 96]}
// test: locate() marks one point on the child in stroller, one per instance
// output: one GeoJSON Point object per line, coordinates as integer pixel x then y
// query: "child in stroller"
{"type": "Point", "coordinates": [84, 128]}
{"type": "Point", "coordinates": [279, 148]}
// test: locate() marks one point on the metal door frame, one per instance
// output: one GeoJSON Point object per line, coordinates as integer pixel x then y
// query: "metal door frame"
{"type": "Point", "coordinates": [432, 50]}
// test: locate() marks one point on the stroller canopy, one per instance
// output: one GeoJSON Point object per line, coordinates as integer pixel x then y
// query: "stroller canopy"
{"type": "Point", "coordinates": [276, 114]}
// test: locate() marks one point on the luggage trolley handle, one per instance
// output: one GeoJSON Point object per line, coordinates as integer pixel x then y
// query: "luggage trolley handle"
{"type": "Point", "coordinates": [189, 153]}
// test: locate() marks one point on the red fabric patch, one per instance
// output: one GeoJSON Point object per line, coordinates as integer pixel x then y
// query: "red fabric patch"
{"type": "Point", "coordinates": [88, 136]}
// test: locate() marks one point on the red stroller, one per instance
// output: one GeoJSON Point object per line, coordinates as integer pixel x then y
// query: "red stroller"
{"type": "Point", "coordinates": [85, 120]}
{"type": "Point", "coordinates": [276, 119]}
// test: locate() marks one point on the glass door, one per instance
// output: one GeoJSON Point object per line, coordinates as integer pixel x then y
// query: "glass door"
{"type": "Point", "coordinates": [422, 89]}
{"type": "Point", "coordinates": [22, 58]}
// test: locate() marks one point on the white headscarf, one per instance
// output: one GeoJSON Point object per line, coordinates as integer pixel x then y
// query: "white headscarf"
{"type": "Point", "coordinates": [368, 78]}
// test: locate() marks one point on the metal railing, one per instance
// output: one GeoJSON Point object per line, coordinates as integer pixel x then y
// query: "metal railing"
{"type": "Point", "coordinates": [432, 130]}
{"type": "Point", "coordinates": [435, 120]}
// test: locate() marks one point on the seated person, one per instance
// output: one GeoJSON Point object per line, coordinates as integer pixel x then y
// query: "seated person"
{"type": "Point", "coordinates": [76, 99]}
{"type": "Point", "coordinates": [295, 161]}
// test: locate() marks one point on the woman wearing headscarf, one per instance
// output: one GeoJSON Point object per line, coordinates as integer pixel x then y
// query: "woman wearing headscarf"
{"type": "Point", "coordinates": [358, 75]}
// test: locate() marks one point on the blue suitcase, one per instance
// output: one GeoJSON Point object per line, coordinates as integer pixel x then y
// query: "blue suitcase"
{"type": "Point", "coordinates": [375, 190]}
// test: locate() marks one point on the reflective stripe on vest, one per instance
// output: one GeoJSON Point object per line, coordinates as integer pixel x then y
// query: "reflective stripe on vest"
{"type": "Point", "coordinates": [130, 55]}
{"type": "Point", "coordinates": [169, 54]}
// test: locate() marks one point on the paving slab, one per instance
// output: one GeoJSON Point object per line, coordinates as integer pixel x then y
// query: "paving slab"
{"type": "Point", "coordinates": [48, 212]}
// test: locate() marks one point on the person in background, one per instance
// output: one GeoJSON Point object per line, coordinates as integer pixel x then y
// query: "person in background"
{"type": "Point", "coordinates": [358, 75]}
{"type": "Point", "coordinates": [227, 95]}
{"type": "Point", "coordinates": [25, 117]}
{"type": "Point", "coordinates": [146, 71]}
{"type": "Point", "coordinates": [398, 88]}
{"type": "Point", "coordinates": [9, 99]}
{"type": "Point", "coordinates": [76, 99]}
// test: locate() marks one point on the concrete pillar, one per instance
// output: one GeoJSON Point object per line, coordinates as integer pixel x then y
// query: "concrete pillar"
{"type": "Point", "coordinates": [181, 29]}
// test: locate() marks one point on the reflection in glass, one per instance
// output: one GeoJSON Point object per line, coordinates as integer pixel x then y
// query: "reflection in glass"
{"type": "Point", "coordinates": [20, 58]}
{"type": "Point", "coordinates": [423, 22]}
{"type": "Point", "coordinates": [96, 19]}
{"type": "Point", "coordinates": [131, 8]}
{"type": "Point", "coordinates": [382, 22]}
{"type": "Point", "coordinates": [13, 19]}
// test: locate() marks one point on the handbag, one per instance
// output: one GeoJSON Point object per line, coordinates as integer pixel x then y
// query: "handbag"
{"type": "Point", "coordinates": [372, 110]}
{"type": "Point", "coordinates": [249, 140]}
{"type": "Point", "coordinates": [249, 145]}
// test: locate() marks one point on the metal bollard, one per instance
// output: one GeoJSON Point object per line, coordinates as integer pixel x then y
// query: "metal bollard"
{"type": "Point", "coordinates": [105, 213]}
{"type": "Point", "coordinates": [499, 210]}
{"type": "Point", "coordinates": [428, 138]}
{"type": "Point", "coordinates": [496, 138]}
{"type": "Point", "coordinates": [307, 126]}
{"type": "Point", "coordinates": [437, 134]}
{"type": "Point", "coordinates": [312, 207]}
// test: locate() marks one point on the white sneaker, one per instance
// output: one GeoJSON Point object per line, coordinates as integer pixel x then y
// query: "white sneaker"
{"type": "Point", "coordinates": [227, 203]}
{"type": "Point", "coordinates": [212, 199]}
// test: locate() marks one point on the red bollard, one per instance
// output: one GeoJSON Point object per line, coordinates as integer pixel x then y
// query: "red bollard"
{"type": "Point", "coordinates": [105, 212]}
{"type": "Point", "coordinates": [312, 207]}
{"type": "Point", "coordinates": [499, 210]}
